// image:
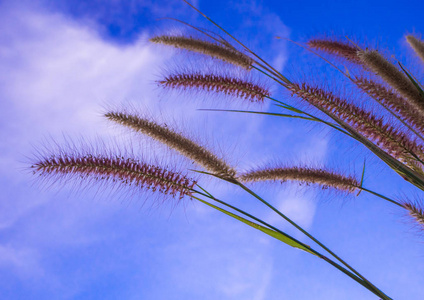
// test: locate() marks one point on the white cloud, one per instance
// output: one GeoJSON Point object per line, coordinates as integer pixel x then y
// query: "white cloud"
{"type": "Point", "coordinates": [57, 75]}
{"type": "Point", "coordinates": [24, 262]}
{"type": "Point", "coordinates": [59, 72]}
{"type": "Point", "coordinates": [268, 28]}
{"type": "Point", "coordinates": [297, 205]}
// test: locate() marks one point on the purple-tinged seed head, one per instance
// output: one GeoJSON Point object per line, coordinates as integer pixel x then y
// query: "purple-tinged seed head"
{"type": "Point", "coordinates": [229, 55]}
{"type": "Point", "coordinates": [116, 169]}
{"type": "Point", "coordinates": [216, 83]}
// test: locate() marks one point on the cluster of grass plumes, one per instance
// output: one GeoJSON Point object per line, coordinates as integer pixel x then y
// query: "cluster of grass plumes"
{"type": "Point", "coordinates": [392, 140]}
{"type": "Point", "coordinates": [304, 175]}
{"type": "Point", "coordinates": [185, 146]}
{"type": "Point", "coordinates": [372, 60]}
{"type": "Point", "coordinates": [393, 76]}
{"type": "Point", "coordinates": [113, 170]}
{"type": "Point", "coordinates": [399, 93]}
{"type": "Point", "coordinates": [217, 83]}
{"type": "Point", "coordinates": [393, 101]}
{"type": "Point", "coordinates": [214, 50]}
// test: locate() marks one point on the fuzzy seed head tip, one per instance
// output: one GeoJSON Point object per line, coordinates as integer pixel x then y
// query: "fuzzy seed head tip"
{"type": "Point", "coordinates": [214, 50]}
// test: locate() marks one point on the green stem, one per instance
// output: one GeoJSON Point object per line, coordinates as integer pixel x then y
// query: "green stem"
{"type": "Point", "coordinates": [279, 75]}
{"type": "Point", "coordinates": [358, 278]}
{"type": "Point", "coordinates": [380, 293]}
{"type": "Point", "coordinates": [253, 218]}
{"type": "Point", "coordinates": [381, 196]}
{"type": "Point", "coordinates": [266, 74]}
{"type": "Point", "coordinates": [332, 125]}
{"type": "Point", "coordinates": [351, 79]}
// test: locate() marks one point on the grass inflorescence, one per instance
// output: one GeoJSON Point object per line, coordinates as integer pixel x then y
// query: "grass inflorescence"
{"type": "Point", "coordinates": [217, 83]}
{"type": "Point", "coordinates": [337, 48]}
{"type": "Point", "coordinates": [394, 77]}
{"type": "Point", "coordinates": [324, 178]}
{"type": "Point", "coordinates": [222, 52]}
{"type": "Point", "coordinates": [392, 100]}
{"type": "Point", "coordinates": [416, 212]}
{"type": "Point", "coordinates": [417, 45]}
{"type": "Point", "coordinates": [114, 169]}
{"type": "Point", "coordinates": [173, 140]}
{"type": "Point", "coordinates": [394, 141]}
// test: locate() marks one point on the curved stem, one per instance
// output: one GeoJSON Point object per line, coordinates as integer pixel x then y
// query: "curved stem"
{"type": "Point", "coordinates": [284, 79]}
{"type": "Point", "coordinates": [353, 81]}
{"type": "Point", "coordinates": [357, 277]}
{"type": "Point", "coordinates": [380, 293]}
{"type": "Point", "coordinates": [332, 125]}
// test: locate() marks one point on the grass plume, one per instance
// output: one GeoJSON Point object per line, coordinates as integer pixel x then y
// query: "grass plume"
{"type": "Point", "coordinates": [393, 101]}
{"type": "Point", "coordinates": [416, 212]}
{"type": "Point", "coordinates": [214, 50]}
{"type": "Point", "coordinates": [217, 83]}
{"type": "Point", "coordinates": [417, 45]}
{"type": "Point", "coordinates": [324, 178]}
{"type": "Point", "coordinates": [394, 77]}
{"type": "Point", "coordinates": [116, 169]}
{"type": "Point", "coordinates": [174, 140]}
{"type": "Point", "coordinates": [395, 142]}
{"type": "Point", "coordinates": [336, 48]}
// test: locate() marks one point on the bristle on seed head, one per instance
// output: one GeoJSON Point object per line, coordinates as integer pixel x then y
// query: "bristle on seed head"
{"type": "Point", "coordinates": [392, 100]}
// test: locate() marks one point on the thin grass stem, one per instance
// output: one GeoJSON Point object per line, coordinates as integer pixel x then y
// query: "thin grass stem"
{"type": "Point", "coordinates": [355, 275]}
{"type": "Point", "coordinates": [283, 78]}
{"type": "Point", "coordinates": [379, 195]}
{"type": "Point", "coordinates": [381, 294]}
{"type": "Point", "coordinates": [356, 83]}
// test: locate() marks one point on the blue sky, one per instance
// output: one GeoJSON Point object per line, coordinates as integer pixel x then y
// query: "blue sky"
{"type": "Point", "coordinates": [64, 61]}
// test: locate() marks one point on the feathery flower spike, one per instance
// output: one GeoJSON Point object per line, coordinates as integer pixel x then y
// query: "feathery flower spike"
{"type": "Point", "coordinates": [393, 141]}
{"type": "Point", "coordinates": [416, 212]}
{"type": "Point", "coordinates": [224, 84]}
{"type": "Point", "coordinates": [175, 141]}
{"type": "Point", "coordinates": [224, 53]}
{"type": "Point", "coordinates": [120, 170]}
{"type": "Point", "coordinates": [321, 177]}
{"type": "Point", "coordinates": [417, 45]}
{"type": "Point", "coordinates": [395, 78]}
{"type": "Point", "coordinates": [336, 48]}
{"type": "Point", "coordinates": [393, 101]}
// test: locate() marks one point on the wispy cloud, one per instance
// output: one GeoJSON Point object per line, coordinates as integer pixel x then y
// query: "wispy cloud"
{"type": "Point", "coordinates": [58, 73]}
{"type": "Point", "coordinates": [268, 29]}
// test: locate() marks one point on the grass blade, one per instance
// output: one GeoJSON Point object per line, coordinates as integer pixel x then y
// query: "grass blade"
{"type": "Point", "coordinates": [281, 237]}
